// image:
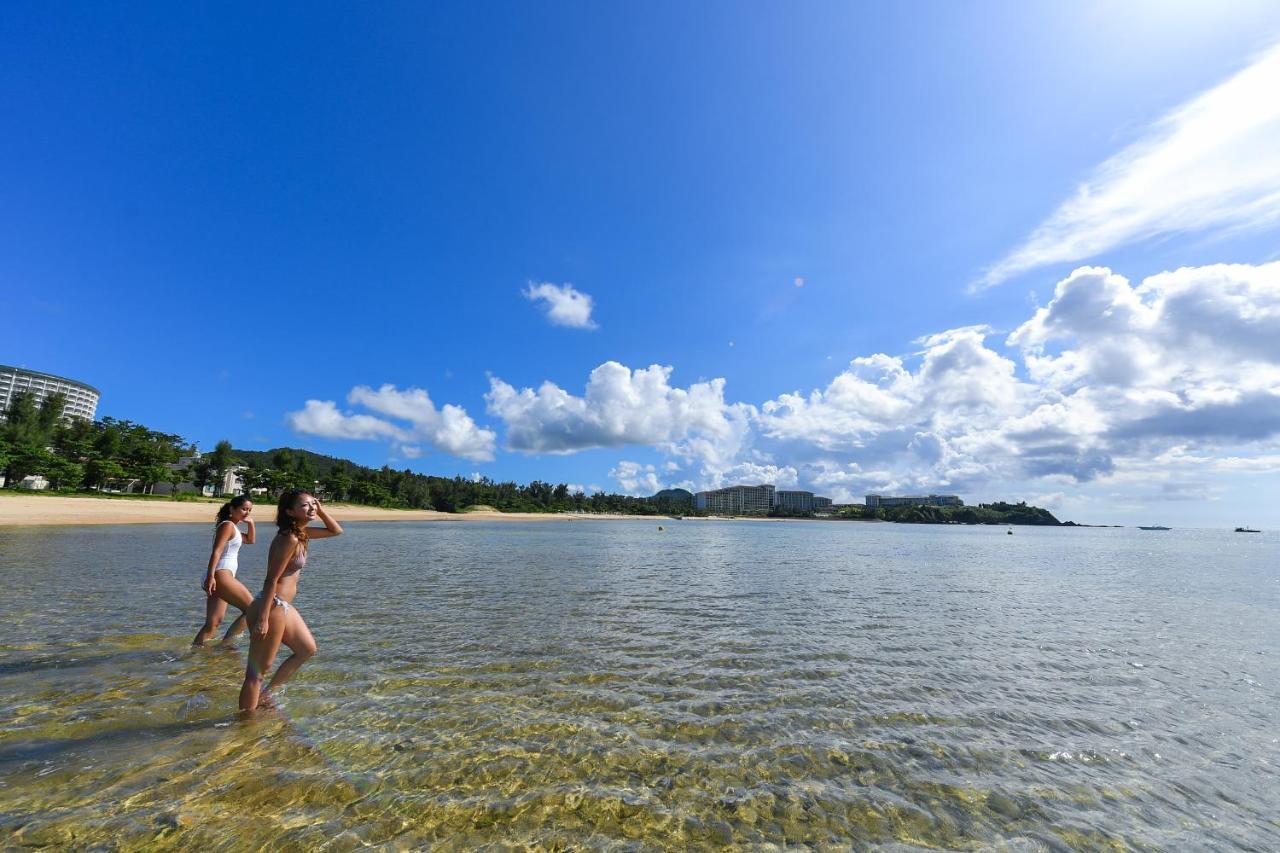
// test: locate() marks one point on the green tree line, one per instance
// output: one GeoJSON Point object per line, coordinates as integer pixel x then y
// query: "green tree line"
{"type": "Point", "coordinates": [992, 513]}
{"type": "Point", "coordinates": [75, 454]}
{"type": "Point", "coordinates": [339, 479]}
{"type": "Point", "coordinates": [72, 453]}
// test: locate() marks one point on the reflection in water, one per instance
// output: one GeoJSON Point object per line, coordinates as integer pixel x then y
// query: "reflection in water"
{"type": "Point", "coordinates": [595, 684]}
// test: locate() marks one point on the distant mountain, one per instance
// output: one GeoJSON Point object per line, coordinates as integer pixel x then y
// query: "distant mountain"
{"type": "Point", "coordinates": [674, 495]}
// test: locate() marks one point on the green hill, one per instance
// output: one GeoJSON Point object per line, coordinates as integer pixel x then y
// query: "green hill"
{"type": "Point", "coordinates": [999, 512]}
{"type": "Point", "coordinates": [285, 457]}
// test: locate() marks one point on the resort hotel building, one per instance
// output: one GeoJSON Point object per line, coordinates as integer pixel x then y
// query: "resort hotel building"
{"type": "Point", "coordinates": [82, 399]}
{"type": "Point", "coordinates": [757, 500]}
{"type": "Point", "coordinates": [800, 501]}
{"type": "Point", "coordinates": [912, 500]}
{"type": "Point", "coordinates": [736, 500]}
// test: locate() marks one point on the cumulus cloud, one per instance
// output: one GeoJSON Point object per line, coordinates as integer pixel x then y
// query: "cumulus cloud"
{"type": "Point", "coordinates": [322, 418]}
{"type": "Point", "coordinates": [449, 429]}
{"type": "Point", "coordinates": [753, 473]}
{"type": "Point", "coordinates": [619, 407]}
{"type": "Point", "coordinates": [563, 305]}
{"type": "Point", "coordinates": [1105, 375]}
{"type": "Point", "coordinates": [1212, 165]}
{"type": "Point", "coordinates": [960, 380]}
{"type": "Point", "coordinates": [623, 407]}
{"type": "Point", "coordinates": [1193, 353]}
{"type": "Point", "coordinates": [636, 479]}
{"type": "Point", "coordinates": [1111, 381]}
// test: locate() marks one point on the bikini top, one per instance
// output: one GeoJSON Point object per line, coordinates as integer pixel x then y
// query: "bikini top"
{"type": "Point", "coordinates": [296, 562]}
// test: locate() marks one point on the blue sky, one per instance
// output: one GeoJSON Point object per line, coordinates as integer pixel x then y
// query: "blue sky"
{"type": "Point", "coordinates": [833, 246]}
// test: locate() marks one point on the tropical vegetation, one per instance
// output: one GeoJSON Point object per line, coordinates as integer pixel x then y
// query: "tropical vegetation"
{"type": "Point", "coordinates": [114, 455]}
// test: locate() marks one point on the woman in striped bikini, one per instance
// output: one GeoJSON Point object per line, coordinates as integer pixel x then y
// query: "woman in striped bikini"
{"type": "Point", "coordinates": [273, 618]}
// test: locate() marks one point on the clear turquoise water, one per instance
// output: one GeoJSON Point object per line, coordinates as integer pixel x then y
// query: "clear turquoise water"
{"type": "Point", "coordinates": [607, 685]}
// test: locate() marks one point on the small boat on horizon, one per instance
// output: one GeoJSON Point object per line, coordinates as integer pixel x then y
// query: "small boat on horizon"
{"type": "Point", "coordinates": [1153, 527]}
{"type": "Point", "coordinates": [1247, 530]}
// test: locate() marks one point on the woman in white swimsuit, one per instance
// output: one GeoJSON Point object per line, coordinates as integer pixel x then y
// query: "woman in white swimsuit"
{"type": "Point", "coordinates": [272, 615]}
{"type": "Point", "coordinates": [220, 584]}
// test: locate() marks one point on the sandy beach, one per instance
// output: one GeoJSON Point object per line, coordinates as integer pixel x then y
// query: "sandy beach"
{"type": "Point", "coordinates": [39, 510]}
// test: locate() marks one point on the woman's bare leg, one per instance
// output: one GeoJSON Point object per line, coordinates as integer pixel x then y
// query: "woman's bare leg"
{"type": "Point", "coordinates": [236, 594]}
{"type": "Point", "coordinates": [237, 628]}
{"type": "Point", "coordinates": [214, 609]}
{"type": "Point", "coordinates": [297, 636]}
{"type": "Point", "coordinates": [262, 653]}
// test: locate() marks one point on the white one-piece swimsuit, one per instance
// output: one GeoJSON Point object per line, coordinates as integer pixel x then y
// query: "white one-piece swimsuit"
{"type": "Point", "coordinates": [230, 559]}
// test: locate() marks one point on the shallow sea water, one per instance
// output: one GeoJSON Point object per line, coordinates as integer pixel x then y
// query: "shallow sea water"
{"type": "Point", "coordinates": [605, 685]}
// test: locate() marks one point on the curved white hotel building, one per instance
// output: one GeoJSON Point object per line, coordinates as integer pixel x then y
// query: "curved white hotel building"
{"type": "Point", "coordinates": [82, 399]}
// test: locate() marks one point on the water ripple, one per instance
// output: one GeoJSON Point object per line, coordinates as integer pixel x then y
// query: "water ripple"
{"type": "Point", "coordinates": [596, 685]}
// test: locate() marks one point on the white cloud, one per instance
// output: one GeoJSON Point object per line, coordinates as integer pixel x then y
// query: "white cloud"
{"type": "Point", "coordinates": [564, 306]}
{"type": "Point", "coordinates": [1197, 338]}
{"type": "Point", "coordinates": [959, 381]}
{"type": "Point", "coordinates": [1111, 382]}
{"type": "Point", "coordinates": [1211, 165]}
{"type": "Point", "coordinates": [636, 479]}
{"type": "Point", "coordinates": [449, 429]}
{"type": "Point", "coordinates": [322, 418]}
{"type": "Point", "coordinates": [620, 407]}
{"type": "Point", "coordinates": [753, 473]}
{"type": "Point", "coordinates": [1110, 374]}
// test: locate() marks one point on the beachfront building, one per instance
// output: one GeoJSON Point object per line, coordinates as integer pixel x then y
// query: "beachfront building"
{"type": "Point", "coordinates": [232, 480]}
{"type": "Point", "coordinates": [794, 501]}
{"type": "Point", "coordinates": [737, 500]}
{"type": "Point", "coordinates": [82, 399]}
{"type": "Point", "coordinates": [797, 501]}
{"type": "Point", "coordinates": [874, 501]}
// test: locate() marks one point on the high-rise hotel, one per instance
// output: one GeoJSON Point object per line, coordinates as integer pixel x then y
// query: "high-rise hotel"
{"type": "Point", "coordinates": [82, 399]}
{"type": "Point", "coordinates": [757, 500]}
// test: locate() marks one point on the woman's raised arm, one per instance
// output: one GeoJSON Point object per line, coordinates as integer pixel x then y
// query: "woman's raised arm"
{"type": "Point", "coordinates": [331, 527]}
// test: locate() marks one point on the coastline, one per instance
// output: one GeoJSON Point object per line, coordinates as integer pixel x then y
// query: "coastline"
{"type": "Point", "coordinates": [31, 510]}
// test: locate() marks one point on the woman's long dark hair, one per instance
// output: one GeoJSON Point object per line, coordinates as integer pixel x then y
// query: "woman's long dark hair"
{"type": "Point", "coordinates": [224, 512]}
{"type": "Point", "coordinates": [286, 522]}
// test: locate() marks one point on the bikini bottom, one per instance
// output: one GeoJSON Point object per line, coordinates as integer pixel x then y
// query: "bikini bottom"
{"type": "Point", "coordinates": [275, 599]}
